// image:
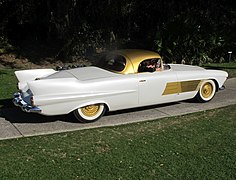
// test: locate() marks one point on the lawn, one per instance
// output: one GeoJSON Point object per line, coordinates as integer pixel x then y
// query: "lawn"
{"type": "Point", "coordinates": [8, 83]}
{"type": "Point", "coordinates": [229, 67]}
{"type": "Point", "coordinates": [196, 146]}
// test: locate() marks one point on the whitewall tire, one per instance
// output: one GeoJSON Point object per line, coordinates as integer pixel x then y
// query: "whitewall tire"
{"type": "Point", "coordinates": [206, 91]}
{"type": "Point", "coordinates": [90, 113]}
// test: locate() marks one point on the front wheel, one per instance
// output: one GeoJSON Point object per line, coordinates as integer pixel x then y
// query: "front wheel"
{"type": "Point", "coordinates": [207, 91]}
{"type": "Point", "coordinates": [90, 113]}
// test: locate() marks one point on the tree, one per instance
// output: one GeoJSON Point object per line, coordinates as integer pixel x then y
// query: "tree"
{"type": "Point", "coordinates": [197, 31]}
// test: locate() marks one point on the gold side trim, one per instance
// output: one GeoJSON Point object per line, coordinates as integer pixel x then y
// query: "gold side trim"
{"type": "Point", "coordinates": [181, 87]}
{"type": "Point", "coordinates": [171, 88]}
{"type": "Point", "coordinates": [187, 86]}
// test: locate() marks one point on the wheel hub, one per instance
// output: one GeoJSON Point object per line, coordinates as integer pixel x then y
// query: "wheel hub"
{"type": "Point", "coordinates": [207, 90]}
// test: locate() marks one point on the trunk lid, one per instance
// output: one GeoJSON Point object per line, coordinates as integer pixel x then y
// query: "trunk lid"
{"type": "Point", "coordinates": [83, 73]}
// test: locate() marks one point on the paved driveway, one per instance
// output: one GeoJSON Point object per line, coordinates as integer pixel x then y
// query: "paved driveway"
{"type": "Point", "coordinates": [14, 123]}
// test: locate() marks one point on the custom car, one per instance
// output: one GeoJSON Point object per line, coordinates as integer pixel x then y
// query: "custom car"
{"type": "Point", "coordinates": [120, 79]}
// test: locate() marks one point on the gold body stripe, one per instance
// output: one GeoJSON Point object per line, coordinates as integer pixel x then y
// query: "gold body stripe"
{"type": "Point", "coordinates": [180, 87]}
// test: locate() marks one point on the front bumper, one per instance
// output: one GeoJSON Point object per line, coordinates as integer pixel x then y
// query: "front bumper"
{"type": "Point", "coordinates": [222, 88]}
{"type": "Point", "coordinates": [18, 101]}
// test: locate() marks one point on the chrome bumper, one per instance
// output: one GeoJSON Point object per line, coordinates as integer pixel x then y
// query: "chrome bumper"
{"type": "Point", "coordinates": [18, 101]}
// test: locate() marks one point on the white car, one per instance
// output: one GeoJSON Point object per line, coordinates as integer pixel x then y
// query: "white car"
{"type": "Point", "coordinates": [121, 79]}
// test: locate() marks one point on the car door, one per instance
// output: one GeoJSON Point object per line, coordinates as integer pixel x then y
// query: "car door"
{"type": "Point", "coordinates": [157, 87]}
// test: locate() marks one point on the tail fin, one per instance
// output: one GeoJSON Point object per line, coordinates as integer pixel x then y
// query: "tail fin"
{"type": "Point", "coordinates": [25, 76]}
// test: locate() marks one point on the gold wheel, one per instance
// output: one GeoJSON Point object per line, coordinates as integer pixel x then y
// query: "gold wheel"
{"type": "Point", "coordinates": [91, 110]}
{"type": "Point", "coordinates": [90, 113]}
{"type": "Point", "coordinates": [207, 90]}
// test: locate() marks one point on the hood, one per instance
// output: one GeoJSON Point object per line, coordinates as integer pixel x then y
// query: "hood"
{"type": "Point", "coordinates": [182, 67]}
{"type": "Point", "coordinates": [83, 73]}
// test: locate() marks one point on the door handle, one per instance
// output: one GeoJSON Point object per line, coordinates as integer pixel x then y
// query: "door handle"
{"type": "Point", "coordinates": [143, 80]}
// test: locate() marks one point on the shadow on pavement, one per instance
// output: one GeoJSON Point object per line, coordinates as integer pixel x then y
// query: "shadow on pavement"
{"type": "Point", "coordinates": [140, 108]}
{"type": "Point", "coordinates": [15, 115]}
{"type": "Point", "coordinates": [6, 103]}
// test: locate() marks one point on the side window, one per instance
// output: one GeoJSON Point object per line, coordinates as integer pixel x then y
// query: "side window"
{"type": "Point", "coordinates": [150, 65]}
{"type": "Point", "coordinates": [112, 62]}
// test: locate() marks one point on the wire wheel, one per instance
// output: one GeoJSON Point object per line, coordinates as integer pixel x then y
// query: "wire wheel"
{"type": "Point", "coordinates": [91, 110]}
{"type": "Point", "coordinates": [90, 113]}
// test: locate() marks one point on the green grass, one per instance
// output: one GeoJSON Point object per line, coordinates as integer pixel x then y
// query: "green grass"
{"type": "Point", "coordinates": [196, 146]}
{"type": "Point", "coordinates": [231, 65]}
{"type": "Point", "coordinates": [228, 67]}
{"type": "Point", "coordinates": [8, 83]}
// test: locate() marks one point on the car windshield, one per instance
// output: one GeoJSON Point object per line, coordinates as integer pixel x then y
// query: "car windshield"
{"type": "Point", "coordinates": [112, 62]}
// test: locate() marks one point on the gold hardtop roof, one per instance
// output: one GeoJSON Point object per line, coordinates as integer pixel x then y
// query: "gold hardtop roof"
{"type": "Point", "coordinates": [138, 54]}
{"type": "Point", "coordinates": [135, 56]}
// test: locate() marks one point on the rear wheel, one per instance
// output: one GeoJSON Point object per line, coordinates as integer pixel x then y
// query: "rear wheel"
{"type": "Point", "coordinates": [90, 113]}
{"type": "Point", "coordinates": [207, 91]}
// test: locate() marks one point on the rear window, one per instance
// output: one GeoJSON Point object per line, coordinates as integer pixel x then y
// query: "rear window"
{"type": "Point", "coordinates": [112, 62]}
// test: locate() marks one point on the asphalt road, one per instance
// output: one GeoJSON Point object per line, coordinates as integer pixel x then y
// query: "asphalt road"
{"type": "Point", "coordinates": [15, 123]}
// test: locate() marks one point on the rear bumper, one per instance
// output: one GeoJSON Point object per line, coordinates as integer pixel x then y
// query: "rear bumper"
{"type": "Point", "coordinates": [18, 101]}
